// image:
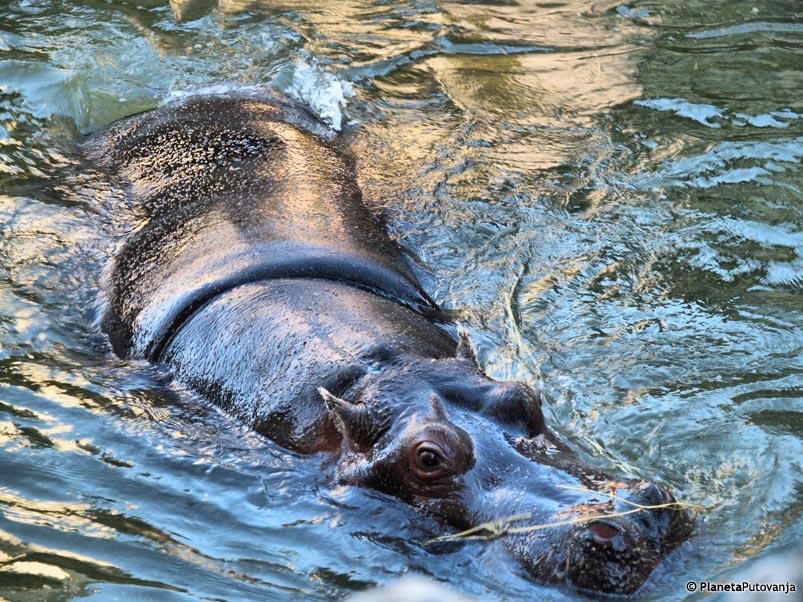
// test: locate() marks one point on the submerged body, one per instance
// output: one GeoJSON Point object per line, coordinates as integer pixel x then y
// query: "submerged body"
{"type": "Point", "coordinates": [260, 278]}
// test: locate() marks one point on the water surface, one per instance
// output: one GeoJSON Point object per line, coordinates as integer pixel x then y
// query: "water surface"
{"type": "Point", "coordinates": [607, 195]}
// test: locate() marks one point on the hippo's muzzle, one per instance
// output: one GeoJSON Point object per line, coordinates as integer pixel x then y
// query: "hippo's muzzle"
{"type": "Point", "coordinates": [614, 553]}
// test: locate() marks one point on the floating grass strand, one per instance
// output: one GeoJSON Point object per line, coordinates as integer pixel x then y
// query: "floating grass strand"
{"type": "Point", "coordinates": [614, 497]}
{"type": "Point", "coordinates": [498, 528]}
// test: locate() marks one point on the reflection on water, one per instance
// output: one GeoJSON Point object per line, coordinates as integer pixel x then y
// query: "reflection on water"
{"type": "Point", "coordinates": [607, 194]}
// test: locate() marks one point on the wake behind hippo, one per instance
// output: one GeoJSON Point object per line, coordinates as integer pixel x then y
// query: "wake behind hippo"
{"type": "Point", "coordinates": [260, 278]}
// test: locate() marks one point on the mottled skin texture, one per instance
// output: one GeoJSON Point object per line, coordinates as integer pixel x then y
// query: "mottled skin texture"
{"type": "Point", "coordinates": [258, 276]}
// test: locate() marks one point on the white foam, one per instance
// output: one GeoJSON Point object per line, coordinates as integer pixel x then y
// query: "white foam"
{"type": "Point", "coordinates": [177, 94]}
{"type": "Point", "coordinates": [323, 92]}
{"type": "Point", "coordinates": [410, 588]}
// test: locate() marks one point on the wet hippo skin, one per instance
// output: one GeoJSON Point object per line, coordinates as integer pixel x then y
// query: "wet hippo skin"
{"type": "Point", "coordinates": [257, 275]}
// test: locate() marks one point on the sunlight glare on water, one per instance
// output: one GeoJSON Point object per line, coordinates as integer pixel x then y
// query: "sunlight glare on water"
{"type": "Point", "coordinates": [607, 195]}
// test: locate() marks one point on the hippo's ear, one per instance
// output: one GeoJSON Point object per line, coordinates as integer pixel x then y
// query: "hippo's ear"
{"type": "Point", "coordinates": [464, 349]}
{"type": "Point", "coordinates": [438, 411]}
{"type": "Point", "coordinates": [352, 420]}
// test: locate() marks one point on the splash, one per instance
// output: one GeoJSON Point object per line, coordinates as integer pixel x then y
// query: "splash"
{"type": "Point", "coordinates": [323, 92]}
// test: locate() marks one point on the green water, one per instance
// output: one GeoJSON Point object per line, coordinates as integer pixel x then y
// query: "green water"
{"type": "Point", "coordinates": [608, 196]}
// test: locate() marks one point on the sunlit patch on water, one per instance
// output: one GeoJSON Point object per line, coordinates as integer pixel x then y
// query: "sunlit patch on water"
{"type": "Point", "coordinates": [607, 195]}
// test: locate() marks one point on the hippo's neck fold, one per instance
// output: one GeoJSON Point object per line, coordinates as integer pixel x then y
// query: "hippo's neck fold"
{"type": "Point", "coordinates": [174, 303]}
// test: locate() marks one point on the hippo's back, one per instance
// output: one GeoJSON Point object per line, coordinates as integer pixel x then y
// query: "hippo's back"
{"type": "Point", "coordinates": [232, 189]}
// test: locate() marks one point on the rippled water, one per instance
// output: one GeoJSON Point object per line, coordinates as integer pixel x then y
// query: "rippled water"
{"type": "Point", "coordinates": [608, 195]}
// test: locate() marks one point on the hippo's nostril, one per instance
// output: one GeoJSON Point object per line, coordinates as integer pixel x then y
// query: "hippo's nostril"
{"type": "Point", "coordinates": [603, 531]}
{"type": "Point", "coordinates": [652, 494]}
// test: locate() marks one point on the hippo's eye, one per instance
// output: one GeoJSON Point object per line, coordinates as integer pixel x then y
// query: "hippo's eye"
{"type": "Point", "coordinates": [429, 459]}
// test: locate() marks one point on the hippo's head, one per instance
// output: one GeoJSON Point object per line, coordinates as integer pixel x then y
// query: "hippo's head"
{"type": "Point", "coordinates": [470, 450]}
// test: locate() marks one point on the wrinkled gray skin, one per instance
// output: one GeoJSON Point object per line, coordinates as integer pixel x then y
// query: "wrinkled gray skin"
{"type": "Point", "coordinates": [258, 276]}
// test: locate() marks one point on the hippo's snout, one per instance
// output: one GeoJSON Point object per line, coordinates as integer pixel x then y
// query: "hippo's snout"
{"type": "Point", "coordinates": [615, 548]}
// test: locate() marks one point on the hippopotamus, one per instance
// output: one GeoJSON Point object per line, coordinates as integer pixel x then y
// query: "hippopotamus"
{"type": "Point", "coordinates": [256, 274]}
